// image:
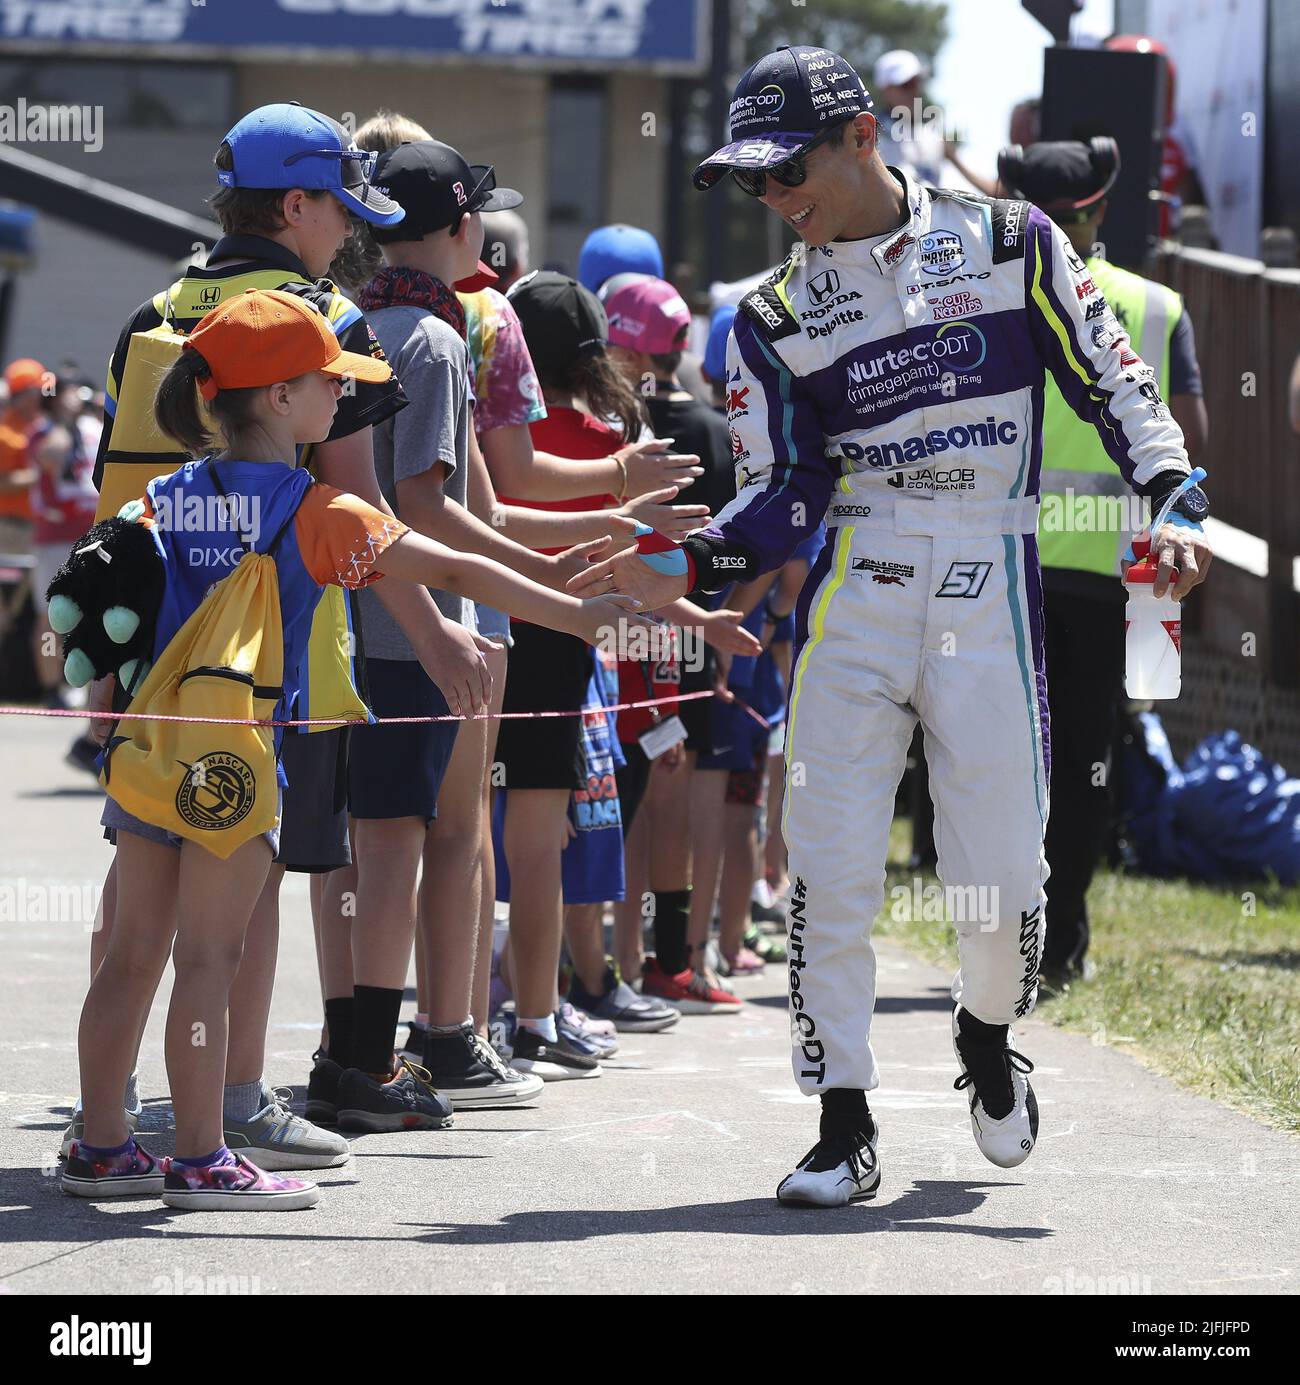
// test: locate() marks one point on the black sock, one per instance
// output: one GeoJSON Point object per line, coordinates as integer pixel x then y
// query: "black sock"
{"type": "Point", "coordinates": [981, 1033]}
{"type": "Point", "coordinates": [340, 1019]}
{"type": "Point", "coordinates": [672, 914]}
{"type": "Point", "coordinates": [377, 1009]}
{"type": "Point", "coordinates": [844, 1112]}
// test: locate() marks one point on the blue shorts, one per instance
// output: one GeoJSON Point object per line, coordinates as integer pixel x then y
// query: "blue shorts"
{"type": "Point", "coordinates": [493, 624]}
{"type": "Point", "coordinates": [738, 740]}
{"type": "Point", "coordinates": [115, 819]}
{"type": "Point", "coordinates": [397, 771]}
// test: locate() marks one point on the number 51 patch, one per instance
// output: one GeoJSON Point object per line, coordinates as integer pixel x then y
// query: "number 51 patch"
{"type": "Point", "coordinates": [965, 579]}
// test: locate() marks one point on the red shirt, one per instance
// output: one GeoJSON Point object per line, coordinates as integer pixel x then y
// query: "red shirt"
{"type": "Point", "coordinates": [637, 682]}
{"type": "Point", "coordinates": [573, 434]}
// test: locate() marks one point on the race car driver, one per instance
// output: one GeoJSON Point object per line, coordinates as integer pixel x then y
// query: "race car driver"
{"type": "Point", "coordinates": [889, 376]}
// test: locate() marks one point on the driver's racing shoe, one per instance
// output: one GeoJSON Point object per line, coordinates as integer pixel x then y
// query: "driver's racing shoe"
{"type": "Point", "coordinates": [1003, 1112]}
{"type": "Point", "coordinates": [838, 1169]}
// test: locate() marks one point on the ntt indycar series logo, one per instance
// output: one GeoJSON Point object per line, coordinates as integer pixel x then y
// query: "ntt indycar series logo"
{"type": "Point", "coordinates": [957, 347]}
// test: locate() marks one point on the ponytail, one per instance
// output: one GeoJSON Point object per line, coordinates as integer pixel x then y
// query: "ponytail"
{"type": "Point", "coordinates": [176, 407]}
{"type": "Point", "coordinates": [179, 414]}
{"type": "Point", "coordinates": [595, 379]}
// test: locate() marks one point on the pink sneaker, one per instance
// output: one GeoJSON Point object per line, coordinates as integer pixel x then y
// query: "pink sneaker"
{"type": "Point", "coordinates": [746, 962]}
{"type": "Point", "coordinates": [236, 1186]}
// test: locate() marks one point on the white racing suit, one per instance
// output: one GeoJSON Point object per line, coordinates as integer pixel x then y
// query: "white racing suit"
{"type": "Point", "coordinates": [895, 386]}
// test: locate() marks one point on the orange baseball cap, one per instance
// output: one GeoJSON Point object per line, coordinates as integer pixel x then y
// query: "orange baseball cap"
{"type": "Point", "coordinates": [263, 336]}
{"type": "Point", "coordinates": [24, 374]}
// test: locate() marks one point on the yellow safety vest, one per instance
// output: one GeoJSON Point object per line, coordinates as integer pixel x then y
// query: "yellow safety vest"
{"type": "Point", "coordinates": [332, 683]}
{"type": "Point", "coordinates": [1085, 501]}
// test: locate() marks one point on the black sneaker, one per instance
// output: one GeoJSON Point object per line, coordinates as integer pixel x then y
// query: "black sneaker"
{"type": "Point", "coordinates": [552, 1062]}
{"type": "Point", "coordinates": [837, 1170]}
{"type": "Point", "coordinates": [414, 1047]}
{"type": "Point", "coordinates": [407, 1101]}
{"type": "Point", "coordinates": [83, 754]}
{"type": "Point", "coordinates": [469, 1073]}
{"type": "Point", "coordinates": [619, 1003]}
{"type": "Point", "coordinates": [323, 1090]}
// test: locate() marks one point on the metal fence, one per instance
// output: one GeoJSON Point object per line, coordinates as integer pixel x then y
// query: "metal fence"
{"type": "Point", "coordinates": [1241, 664]}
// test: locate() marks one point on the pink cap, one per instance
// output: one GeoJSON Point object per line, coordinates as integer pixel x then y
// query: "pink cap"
{"type": "Point", "coordinates": [648, 315]}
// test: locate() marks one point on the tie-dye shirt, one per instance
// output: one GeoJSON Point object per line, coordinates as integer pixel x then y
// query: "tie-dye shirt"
{"type": "Point", "coordinates": [505, 383]}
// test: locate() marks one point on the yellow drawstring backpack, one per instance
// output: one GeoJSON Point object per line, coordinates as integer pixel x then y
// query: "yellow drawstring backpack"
{"type": "Point", "coordinates": [211, 784]}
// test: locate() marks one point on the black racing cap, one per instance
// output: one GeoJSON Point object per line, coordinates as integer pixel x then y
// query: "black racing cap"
{"type": "Point", "coordinates": [780, 103]}
{"type": "Point", "coordinates": [437, 187]}
{"type": "Point", "coordinates": [561, 319]}
{"type": "Point", "coordinates": [1061, 176]}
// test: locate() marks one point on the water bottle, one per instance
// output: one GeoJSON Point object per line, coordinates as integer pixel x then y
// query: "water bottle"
{"type": "Point", "coordinates": [1153, 632]}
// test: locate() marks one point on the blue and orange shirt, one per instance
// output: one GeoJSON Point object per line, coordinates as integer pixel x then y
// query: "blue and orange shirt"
{"type": "Point", "coordinates": [319, 537]}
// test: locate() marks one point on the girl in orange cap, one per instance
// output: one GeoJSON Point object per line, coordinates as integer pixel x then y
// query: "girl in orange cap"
{"type": "Point", "coordinates": [271, 372]}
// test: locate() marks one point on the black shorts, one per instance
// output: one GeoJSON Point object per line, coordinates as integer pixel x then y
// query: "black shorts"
{"type": "Point", "coordinates": [397, 771]}
{"type": "Point", "coordinates": [632, 779]}
{"type": "Point", "coordinates": [314, 822]}
{"type": "Point", "coordinates": [697, 716]}
{"type": "Point", "coordinates": [548, 672]}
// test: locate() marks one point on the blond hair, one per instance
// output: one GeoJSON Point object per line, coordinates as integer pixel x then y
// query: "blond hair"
{"type": "Point", "coordinates": [387, 129]}
{"type": "Point", "coordinates": [361, 257]}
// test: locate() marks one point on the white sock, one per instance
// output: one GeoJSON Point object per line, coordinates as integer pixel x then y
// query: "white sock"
{"type": "Point", "coordinates": [544, 1027]}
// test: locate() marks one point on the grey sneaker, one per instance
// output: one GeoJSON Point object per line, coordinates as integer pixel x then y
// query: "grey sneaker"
{"type": "Point", "coordinates": [619, 1003]}
{"type": "Point", "coordinates": [77, 1129]}
{"type": "Point", "coordinates": [276, 1139]}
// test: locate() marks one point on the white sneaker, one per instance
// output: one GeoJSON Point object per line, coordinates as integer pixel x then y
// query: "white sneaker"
{"type": "Point", "coordinates": [993, 1073]}
{"type": "Point", "coordinates": [836, 1171]}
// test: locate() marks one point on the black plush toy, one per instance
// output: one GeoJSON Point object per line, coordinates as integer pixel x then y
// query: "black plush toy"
{"type": "Point", "coordinates": [104, 602]}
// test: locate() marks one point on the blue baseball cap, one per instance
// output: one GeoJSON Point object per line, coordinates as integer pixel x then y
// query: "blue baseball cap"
{"type": "Point", "coordinates": [783, 101]}
{"type": "Point", "coordinates": [618, 249]}
{"type": "Point", "coordinates": [287, 145]}
{"type": "Point", "coordinates": [715, 353]}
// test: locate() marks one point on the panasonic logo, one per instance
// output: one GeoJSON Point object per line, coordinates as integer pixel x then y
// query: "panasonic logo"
{"type": "Point", "coordinates": [991, 432]}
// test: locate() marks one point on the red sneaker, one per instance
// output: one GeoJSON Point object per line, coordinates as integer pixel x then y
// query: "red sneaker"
{"type": "Point", "coordinates": [692, 992]}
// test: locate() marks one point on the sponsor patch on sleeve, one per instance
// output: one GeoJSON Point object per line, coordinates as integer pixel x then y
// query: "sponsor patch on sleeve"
{"type": "Point", "coordinates": [1009, 222]}
{"type": "Point", "coordinates": [765, 308]}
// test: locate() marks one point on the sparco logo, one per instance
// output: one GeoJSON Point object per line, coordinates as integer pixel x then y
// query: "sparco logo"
{"type": "Point", "coordinates": [725, 562]}
{"type": "Point", "coordinates": [1013, 226]}
{"type": "Point", "coordinates": [1029, 951]}
{"type": "Point", "coordinates": [803, 1027]}
{"type": "Point", "coordinates": [765, 310]}
{"type": "Point", "coordinates": [824, 286]}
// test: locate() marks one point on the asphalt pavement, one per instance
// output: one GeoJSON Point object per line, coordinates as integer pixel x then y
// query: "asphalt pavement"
{"type": "Point", "coordinates": [659, 1176]}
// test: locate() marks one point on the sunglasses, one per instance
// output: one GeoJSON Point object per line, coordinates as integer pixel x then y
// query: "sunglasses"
{"type": "Point", "coordinates": [790, 173]}
{"type": "Point", "coordinates": [485, 184]}
{"type": "Point", "coordinates": [356, 166]}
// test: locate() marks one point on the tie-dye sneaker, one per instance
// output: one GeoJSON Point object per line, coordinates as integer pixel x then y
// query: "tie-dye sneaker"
{"type": "Point", "coordinates": [237, 1186]}
{"type": "Point", "coordinates": [136, 1173]}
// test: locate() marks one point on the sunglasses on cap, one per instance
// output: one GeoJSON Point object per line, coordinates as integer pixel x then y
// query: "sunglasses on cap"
{"type": "Point", "coordinates": [790, 173]}
{"type": "Point", "coordinates": [356, 166]}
